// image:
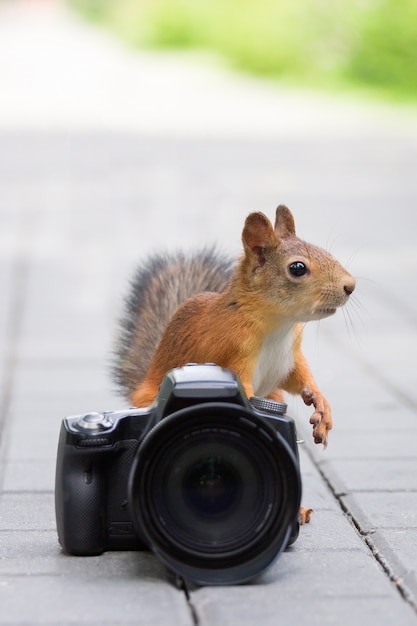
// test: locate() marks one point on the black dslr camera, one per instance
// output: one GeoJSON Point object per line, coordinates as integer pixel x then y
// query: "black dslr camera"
{"type": "Point", "coordinates": [206, 479]}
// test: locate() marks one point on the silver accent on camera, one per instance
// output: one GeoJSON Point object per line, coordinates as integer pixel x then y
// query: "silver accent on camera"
{"type": "Point", "coordinates": [94, 421]}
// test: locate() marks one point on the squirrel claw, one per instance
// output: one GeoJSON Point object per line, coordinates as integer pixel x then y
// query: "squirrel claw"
{"type": "Point", "coordinates": [320, 438]}
{"type": "Point", "coordinates": [321, 428]}
{"type": "Point", "coordinates": [315, 419]}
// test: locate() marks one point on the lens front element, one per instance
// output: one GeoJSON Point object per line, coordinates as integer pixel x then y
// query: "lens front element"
{"type": "Point", "coordinates": [211, 487]}
{"type": "Point", "coordinates": [215, 496]}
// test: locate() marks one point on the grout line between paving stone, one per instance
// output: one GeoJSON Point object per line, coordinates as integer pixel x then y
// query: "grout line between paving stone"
{"type": "Point", "coordinates": [403, 591]}
{"type": "Point", "coordinates": [183, 585]}
{"type": "Point", "coordinates": [366, 537]}
{"type": "Point", "coordinates": [391, 491]}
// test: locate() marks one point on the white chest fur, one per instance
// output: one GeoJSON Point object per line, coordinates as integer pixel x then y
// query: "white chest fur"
{"type": "Point", "coordinates": [275, 361]}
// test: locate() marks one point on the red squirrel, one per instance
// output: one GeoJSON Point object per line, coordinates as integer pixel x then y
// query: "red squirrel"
{"type": "Point", "coordinates": [249, 319]}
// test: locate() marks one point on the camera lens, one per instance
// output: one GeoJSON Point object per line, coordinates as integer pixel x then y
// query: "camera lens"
{"type": "Point", "coordinates": [215, 491]}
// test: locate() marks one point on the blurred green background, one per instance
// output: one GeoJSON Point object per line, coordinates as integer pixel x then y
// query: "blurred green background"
{"type": "Point", "coordinates": [368, 45]}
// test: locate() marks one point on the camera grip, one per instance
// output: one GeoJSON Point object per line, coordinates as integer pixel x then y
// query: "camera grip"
{"type": "Point", "coordinates": [79, 502]}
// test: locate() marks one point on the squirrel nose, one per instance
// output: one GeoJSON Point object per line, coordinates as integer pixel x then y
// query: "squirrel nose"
{"type": "Point", "coordinates": [349, 287]}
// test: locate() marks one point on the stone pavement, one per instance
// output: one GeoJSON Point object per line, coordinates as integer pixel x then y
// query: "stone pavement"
{"type": "Point", "coordinates": [106, 155]}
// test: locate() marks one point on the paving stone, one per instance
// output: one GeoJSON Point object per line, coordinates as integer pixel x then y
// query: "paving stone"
{"type": "Point", "coordinates": [32, 475]}
{"type": "Point", "coordinates": [328, 530]}
{"type": "Point", "coordinates": [342, 573]}
{"type": "Point", "coordinates": [218, 608]}
{"type": "Point", "coordinates": [397, 547]}
{"type": "Point", "coordinates": [332, 587]}
{"type": "Point", "coordinates": [370, 444]}
{"type": "Point", "coordinates": [60, 379]}
{"type": "Point", "coordinates": [27, 511]}
{"type": "Point", "coordinates": [387, 475]}
{"type": "Point", "coordinates": [114, 601]}
{"type": "Point", "coordinates": [381, 510]}
{"type": "Point", "coordinates": [315, 492]}
{"type": "Point", "coordinates": [38, 553]}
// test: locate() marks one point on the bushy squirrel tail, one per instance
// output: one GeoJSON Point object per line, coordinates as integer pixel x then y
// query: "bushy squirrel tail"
{"type": "Point", "coordinates": [161, 283]}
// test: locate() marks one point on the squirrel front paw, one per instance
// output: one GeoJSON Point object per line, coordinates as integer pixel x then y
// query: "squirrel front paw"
{"type": "Point", "coordinates": [322, 416]}
{"type": "Point", "coordinates": [305, 515]}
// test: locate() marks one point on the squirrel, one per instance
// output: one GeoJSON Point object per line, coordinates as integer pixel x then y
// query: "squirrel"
{"type": "Point", "coordinates": [248, 318]}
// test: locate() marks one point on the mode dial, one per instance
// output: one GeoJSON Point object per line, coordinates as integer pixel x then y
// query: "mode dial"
{"type": "Point", "coordinates": [94, 422]}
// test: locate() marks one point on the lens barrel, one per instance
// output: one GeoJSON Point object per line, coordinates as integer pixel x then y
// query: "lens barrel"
{"type": "Point", "coordinates": [215, 492]}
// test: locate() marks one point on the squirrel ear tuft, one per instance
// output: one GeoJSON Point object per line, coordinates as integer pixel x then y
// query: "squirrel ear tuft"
{"type": "Point", "coordinates": [258, 235]}
{"type": "Point", "coordinates": [284, 222]}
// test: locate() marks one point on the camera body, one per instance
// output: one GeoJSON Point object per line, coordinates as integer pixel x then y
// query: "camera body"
{"type": "Point", "coordinates": [102, 502]}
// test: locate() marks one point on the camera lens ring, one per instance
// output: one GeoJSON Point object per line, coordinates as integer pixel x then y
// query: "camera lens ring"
{"type": "Point", "coordinates": [256, 448]}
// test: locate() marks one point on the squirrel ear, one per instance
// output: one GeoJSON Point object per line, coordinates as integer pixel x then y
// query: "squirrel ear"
{"type": "Point", "coordinates": [258, 235]}
{"type": "Point", "coordinates": [284, 222]}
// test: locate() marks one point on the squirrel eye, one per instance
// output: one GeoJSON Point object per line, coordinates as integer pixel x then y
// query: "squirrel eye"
{"type": "Point", "coordinates": [297, 269]}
